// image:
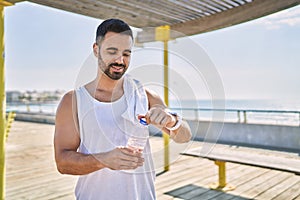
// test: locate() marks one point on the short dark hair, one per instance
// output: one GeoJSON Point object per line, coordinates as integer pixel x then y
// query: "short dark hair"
{"type": "Point", "coordinates": [112, 25]}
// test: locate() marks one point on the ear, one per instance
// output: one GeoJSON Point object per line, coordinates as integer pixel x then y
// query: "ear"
{"type": "Point", "coordinates": [95, 50]}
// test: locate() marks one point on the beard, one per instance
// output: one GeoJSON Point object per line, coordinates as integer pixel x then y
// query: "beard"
{"type": "Point", "coordinates": [109, 71]}
{"type": "Point", "coordinates": [113, 74]}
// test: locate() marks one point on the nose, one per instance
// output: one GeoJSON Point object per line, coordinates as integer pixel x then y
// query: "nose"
{"type": "Point", "coordinates": [120, 59]}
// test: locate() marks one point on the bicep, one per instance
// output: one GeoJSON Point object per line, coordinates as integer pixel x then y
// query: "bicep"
{"type": "Point", "coordinates": [66, 136]}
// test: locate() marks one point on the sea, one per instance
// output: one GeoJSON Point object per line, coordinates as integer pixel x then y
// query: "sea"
{"type": "Point", "coordinates": [266, 111]}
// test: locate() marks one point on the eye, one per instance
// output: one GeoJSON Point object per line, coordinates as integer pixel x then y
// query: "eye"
{"type": "Point", "coordinates": [126, 54]}
{"type": "Point", "coordinates": [112, 52]}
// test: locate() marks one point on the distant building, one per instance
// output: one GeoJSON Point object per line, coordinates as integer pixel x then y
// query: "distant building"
{"type": "Point", "coordinates": [34, 96]}
{"type": "Point", "coordinates": [13, 96]}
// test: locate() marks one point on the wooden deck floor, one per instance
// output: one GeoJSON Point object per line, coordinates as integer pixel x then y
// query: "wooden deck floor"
{"type": "Point", "coordinates": [31, 172]}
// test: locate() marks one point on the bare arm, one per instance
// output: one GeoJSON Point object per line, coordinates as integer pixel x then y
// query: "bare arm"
{"type": "Point", "coordinates": [159, 116]}
{"type": "Point", "coordinates": [67, 141]}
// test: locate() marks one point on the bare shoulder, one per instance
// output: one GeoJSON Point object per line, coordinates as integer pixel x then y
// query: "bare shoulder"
{"type": "Point", "coordinates": [66, 113]}
{"type": "Point", "coordinates": [66, 122]}
{"type": "Point", "coordinates": [68, 101]}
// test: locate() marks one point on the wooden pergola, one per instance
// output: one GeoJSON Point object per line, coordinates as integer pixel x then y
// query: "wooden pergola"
{"type": "Point", "coordinates": [183, 17]}
{"type": "Point", "coordinates": [188, 17]}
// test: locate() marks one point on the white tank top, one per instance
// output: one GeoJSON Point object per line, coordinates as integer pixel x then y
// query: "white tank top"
{"type": "Point", "coordinates": [102, 128]}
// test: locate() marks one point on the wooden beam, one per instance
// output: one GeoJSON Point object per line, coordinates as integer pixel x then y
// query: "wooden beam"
{"type": "Point", "coordinates": [237, 15]}
{"type": "Point", "coordinates": [135, 14]}
{"type": "Point", "coordinates": [152, 14]}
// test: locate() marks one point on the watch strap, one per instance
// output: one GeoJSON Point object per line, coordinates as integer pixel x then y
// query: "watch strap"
{"type": "Point", "coordinates": [178, 123]}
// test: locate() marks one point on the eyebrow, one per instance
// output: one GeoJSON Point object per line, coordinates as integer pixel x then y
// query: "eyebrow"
{"type": "Point", "coordinates": [115, 49]}
{"type": "Point", "coordinates": [112, 48]}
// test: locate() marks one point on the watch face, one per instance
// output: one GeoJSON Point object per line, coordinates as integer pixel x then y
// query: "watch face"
{"type": "Point", "coordinates": [173, 113]}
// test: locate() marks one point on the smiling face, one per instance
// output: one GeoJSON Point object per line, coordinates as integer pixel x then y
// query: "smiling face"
{"type": "Point", "coordinates": [113, 54]}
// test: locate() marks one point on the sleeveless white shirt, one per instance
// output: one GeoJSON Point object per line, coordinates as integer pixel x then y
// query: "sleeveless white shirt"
{"type": "Point", "coordinates": [105, 126]}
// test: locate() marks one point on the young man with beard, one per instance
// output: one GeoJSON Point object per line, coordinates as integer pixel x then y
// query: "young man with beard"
{"type": "Point", "coordinates": [94, 122]}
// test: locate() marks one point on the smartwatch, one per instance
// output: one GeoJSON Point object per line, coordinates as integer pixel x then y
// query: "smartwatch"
{"type": "Point", "coordinates": [178, 123]}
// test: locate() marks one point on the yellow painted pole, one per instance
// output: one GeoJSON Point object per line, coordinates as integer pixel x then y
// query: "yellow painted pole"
{"type": "Point", "coordinates": [222, 173]}
{"type": "Point", "coordinates": [221, 185]}
{"type": "Point", "coordinates": [2, 101]}
{"type": "Point", "coordinates": [166, 98]}
{"type": "Point", "coordinates": [10, 118]}
{"type": "Point", "coordinates": [162, 33]}
{"type": "Point", "coordinates": [2, 108]}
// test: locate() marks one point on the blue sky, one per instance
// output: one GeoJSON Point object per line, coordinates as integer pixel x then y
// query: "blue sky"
{"type": "Point", "coordinates": [46, 49]}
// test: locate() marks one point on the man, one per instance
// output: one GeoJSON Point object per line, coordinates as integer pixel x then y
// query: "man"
{"type": "Point", "coordinates": [94, 122]}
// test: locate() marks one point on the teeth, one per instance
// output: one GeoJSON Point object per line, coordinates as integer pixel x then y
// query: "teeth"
{"type": "Point", "coordinates": [117, 68]}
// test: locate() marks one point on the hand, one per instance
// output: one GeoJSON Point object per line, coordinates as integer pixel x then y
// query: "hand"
{"type": "Point", "coordinates": [121, 158]}
{"type": "Point", "coordinates": [157, 115]}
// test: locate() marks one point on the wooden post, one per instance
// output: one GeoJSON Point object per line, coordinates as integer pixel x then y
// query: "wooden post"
{"type": "Point", "coordinates": [245, 117]}
{"type": "Point", "coordinates": [10, 118]}
{"type": "Point", "coordinates": [222, 173]}
{"type": "Point", "coordinates": [2, 107]}
{"type": "Point", "coordinates": [221, 185]}
{"type": "Point", "coordinates": [2, 102]}
{"type": "Point", "coordinates": [162, 33]}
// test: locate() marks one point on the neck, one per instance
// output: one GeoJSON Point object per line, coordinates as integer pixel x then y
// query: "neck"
{"type": "Point", "coordinates": [105, 89]}
{"type": "Point", "coordinates": [104, 83]}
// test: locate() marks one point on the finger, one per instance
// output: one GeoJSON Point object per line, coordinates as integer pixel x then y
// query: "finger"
{"type": "Point", "coordinates": [133, 156]}
{"type": "Point", "coordinates": [141, 161]}
{"type": "Point", "coordinates": [153, 116]}
{"type": "Point", "coordinates": [128, 155]}
{"type": "Point", "coordinates": [168, 119]}
{"type": "Point", "coordinates": [132, 164]}
{"type": "Point", "coordinates": [125, 167]}
{"type": "Point", "coordinates": [140, 116]}
{"type": "Point", "coordinates": [131, 152]}
{"type": "Point", "coordinates": [128, 165]}
{"type": "Point", "coordinates": [147, 117]}
{"type": "Point", "coordinates": [165, 121]}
